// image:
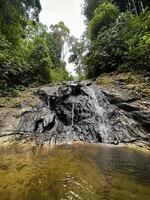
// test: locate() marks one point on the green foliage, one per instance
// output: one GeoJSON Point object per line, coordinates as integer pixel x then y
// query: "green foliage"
{"type": "Point", "coordinates": [28, 52]}
{"type": "Point", "coordinates": [89, 8]}
{"type": "Point", "coordinates": [11, 62]}
{"type": "Point", "coordinates": [13, 17]}
{"type": "Point", "coordinates": [60, 36]}
{"type": "Point", "coordinates": [11, 22]}
{"type": "Point", "coordinates": [40, 61]}
{"type": "Point", "coordinates": [122, 4]}
{"type": "Point", "coordinates": [76, 54]}
{"type": "Point", "coordinates": [123, 44]}
{"type": "Point", "coordinates": [105, 14]}
{"type": "Point", "coordinates": [31, 8]}
{"type": "Point", "coordinates": [59, 75]}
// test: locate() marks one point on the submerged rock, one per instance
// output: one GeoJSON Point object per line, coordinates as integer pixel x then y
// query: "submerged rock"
{"type": "Point", "coordinates": [83, 112]}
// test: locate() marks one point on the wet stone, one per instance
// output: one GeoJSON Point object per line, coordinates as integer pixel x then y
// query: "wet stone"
{"type": "Point", "coordinates": [79, 112]}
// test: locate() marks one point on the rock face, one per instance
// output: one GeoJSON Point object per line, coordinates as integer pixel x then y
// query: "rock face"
{"type": "Point", "coordinates": [83, 112]}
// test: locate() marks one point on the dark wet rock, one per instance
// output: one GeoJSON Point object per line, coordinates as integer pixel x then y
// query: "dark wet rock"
{"type": "Point", "coordinates": [143, 118]}
{"type": "Point", "coordinates": [114, 98]}
{"type": "Point", "coordinates": [82, 112]}
{"type": "Point", "coordinates": [78, 112]}
{"type": "Point", "coordinates": [127, 107]}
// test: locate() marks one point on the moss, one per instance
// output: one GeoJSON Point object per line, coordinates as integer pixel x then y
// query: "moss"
{"type": "Point", "coordinates": [105, 79]}
{"type": "Point", "coordinates": [15, 101]}
{"type": "Point", "coordinates": [132, 81]}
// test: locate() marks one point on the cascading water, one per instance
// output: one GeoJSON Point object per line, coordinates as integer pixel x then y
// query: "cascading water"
{"type": "Point", "coordinates": [103, 123]}
{"type": "Point", "coordinates": [76, 112]}
{"type": "Point", "coordinates": [73, 106]}
{"type": "Point", "coordinates": [69, 135]}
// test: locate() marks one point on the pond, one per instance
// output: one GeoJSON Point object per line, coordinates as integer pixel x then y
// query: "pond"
{"type": "Point", "coordinates": [72, 172]}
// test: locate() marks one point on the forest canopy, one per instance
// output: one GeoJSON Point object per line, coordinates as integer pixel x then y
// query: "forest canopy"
{"type": "Point", "coordinates": [29, 51]}
{"type": "Point", "coordinates": [118, 35]}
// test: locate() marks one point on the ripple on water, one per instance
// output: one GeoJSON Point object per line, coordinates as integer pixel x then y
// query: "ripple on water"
{"type": "Point", "coordinates": [74, 172]}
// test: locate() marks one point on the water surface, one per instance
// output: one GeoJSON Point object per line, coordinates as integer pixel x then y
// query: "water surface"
{"type": "Point", "coordinates": [86, 172]}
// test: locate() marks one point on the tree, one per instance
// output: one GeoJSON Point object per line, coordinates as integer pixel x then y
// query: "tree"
{"type": "Point", "coordinates": [89, 7]}
{"type": "Point", "coordinates": [60, 36]}
{"type": "Point", "coordinates": [28, 51]}
{"type": "Point", "coordinates": [31, 8]}
{"type": "Point", "coordinates": [13, 67]}
{"type": "Point", "coordinates": [122, 4]}
{"type": "Point", "coordinates": [135, 6]}
{"type": "Point", "coordinates": [125, 45]}
{"type": "Point", "coordinates": [77, 49]}
{"type": "Point", "coordinates": [104, 15]}
{"type": "Point", "coordinates": [13, 16]}
{"type": "Point", "coordinates": [40, 61]}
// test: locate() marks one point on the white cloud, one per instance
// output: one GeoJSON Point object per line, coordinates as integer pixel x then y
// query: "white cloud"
{"type": "Point", "coordinates": [68, 11]}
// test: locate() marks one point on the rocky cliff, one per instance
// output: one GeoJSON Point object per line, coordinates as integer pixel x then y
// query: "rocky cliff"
{"type": "Point", "coordinates": [79, 111]}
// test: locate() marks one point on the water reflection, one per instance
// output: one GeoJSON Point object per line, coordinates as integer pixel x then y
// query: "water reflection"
{"type": "Point", "coordinates": [73, 172]}
{"type": "Point", "coordinates": [124, 160]}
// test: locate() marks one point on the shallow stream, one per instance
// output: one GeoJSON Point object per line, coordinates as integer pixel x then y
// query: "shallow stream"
{"type": "Point", "coordinates": [74, 172]}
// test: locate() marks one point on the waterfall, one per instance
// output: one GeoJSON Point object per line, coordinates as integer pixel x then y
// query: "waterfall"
{"type": "Point", "coordinates": [69, 134]}
{"type": "Point", "coordinates": [81, 113]}
{"type": "Point", "coordinates": [72, 117]}
{"type": "Point", "coordinates": [101, 114]}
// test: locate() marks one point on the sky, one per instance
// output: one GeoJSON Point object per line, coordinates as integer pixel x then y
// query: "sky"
{"type": "Point", "coordinates": [68, 11]}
